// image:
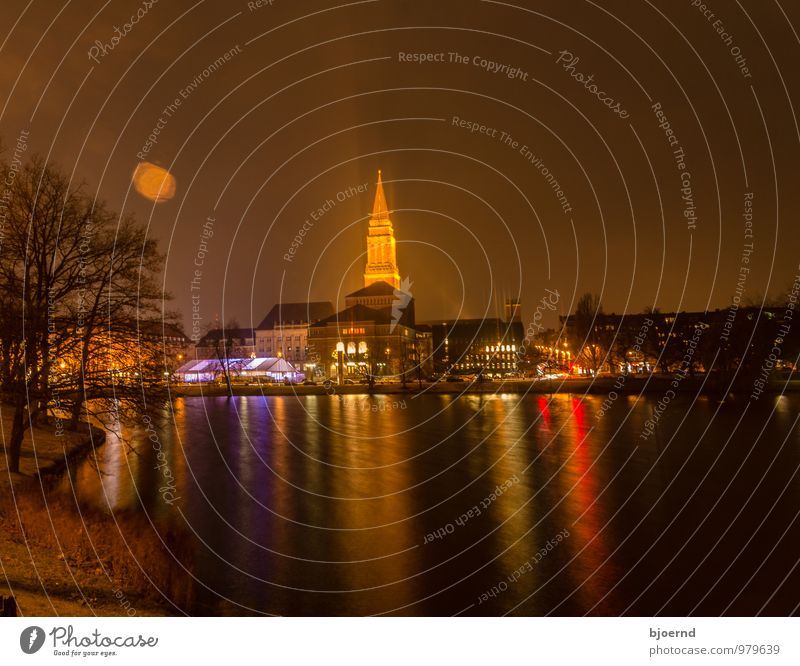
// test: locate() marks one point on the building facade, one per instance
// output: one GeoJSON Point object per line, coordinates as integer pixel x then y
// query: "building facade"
{"type": "Point", "coordinates": [477, 346]}
{"type": "Point", "coordinates": [227, 342]}
{"type": "Point", "coordinates": [284, 331]}
{"type": "Point", "coordinates": [359, 342]}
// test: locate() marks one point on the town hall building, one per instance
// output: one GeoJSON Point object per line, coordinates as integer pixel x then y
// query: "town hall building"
{"type": "Point", "coordinates": [376, 332]}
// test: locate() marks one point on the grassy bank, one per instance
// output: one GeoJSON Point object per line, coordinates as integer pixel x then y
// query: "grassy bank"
{"type": "Point", "coordinates": [58, 560]}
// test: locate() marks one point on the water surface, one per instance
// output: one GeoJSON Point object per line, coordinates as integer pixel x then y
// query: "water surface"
{"type": "Point", "coordinates": [439, 504]}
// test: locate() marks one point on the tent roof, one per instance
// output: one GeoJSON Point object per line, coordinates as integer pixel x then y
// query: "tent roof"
{"type": "Point", "coordinates": [263, 364]}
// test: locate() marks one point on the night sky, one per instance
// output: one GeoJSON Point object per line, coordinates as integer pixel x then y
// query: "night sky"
{"type": "Point", "coordinates": [313, 98]}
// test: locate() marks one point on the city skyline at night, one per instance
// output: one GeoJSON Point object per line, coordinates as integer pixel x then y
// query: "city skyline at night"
{"type": "Point", "coordinates": [484, 311]}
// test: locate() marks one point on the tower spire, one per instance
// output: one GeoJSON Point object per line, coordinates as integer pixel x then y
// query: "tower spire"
{"type": "Point", "coordinates": [381, 253]}
{"type": "Point", "coordinates": [380, 211]}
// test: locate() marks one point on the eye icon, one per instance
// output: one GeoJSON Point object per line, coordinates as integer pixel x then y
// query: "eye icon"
{"type": "Point", "coordinates": [31, 639]}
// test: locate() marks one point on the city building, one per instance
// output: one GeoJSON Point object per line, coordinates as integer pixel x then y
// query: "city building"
{"type": "Point", "coordinates": [472, 346]}
{"type": "Point", "coordinates": [382, 296]}
{"type": "Point", "coordinates": [361, 341]}
{"type": "Point", "coordinates": [144, 349]}
{"type": "Point", "coordinates": [227, 342]}
{"type": "Point", "coordinates": [284, 331]}
{"type": "Point", "coordinates": [375, 335]}
{"type": "Point", "coordinates": [176, 345]}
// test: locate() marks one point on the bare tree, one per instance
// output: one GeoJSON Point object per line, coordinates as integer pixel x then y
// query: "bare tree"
{"type": "Point", "coordinates": [117, 342]}
{"type": "Point", "coordinates": [589, 338]}
{"type": "Point", "coordinates": [224, 349]}
{"type": "Point", "coordinates": [75, 285]}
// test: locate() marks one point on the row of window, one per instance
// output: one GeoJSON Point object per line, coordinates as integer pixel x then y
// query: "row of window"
{"type": "Point", "coordinates": [489, 366]}
{"type": "Point", "coordinates": [297, 338]}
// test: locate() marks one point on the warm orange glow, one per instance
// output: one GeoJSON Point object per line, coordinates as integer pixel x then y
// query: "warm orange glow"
{"type": "Point", "coordinates": [381, 250]}
{"type": "Point", "coordinates": [154, 182]}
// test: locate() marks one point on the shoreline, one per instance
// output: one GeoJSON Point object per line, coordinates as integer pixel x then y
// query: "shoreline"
{"type": "Point", "coordinates": [632, 385]}
{"type": "Point", "coordinates": [46, 451]}
{"type": "Point", "coordinates": [43, 564]}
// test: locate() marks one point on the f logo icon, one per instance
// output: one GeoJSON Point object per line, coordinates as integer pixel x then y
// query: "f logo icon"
{"type": "Point", "coordinates": [31, 639]}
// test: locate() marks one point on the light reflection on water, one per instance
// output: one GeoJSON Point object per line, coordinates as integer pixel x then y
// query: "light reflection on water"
{"type": "Point", "coordinates": [321, 505]}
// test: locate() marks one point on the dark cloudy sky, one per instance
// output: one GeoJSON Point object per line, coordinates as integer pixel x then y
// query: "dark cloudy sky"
{"type": "Point", "coordinates": [314, 99]}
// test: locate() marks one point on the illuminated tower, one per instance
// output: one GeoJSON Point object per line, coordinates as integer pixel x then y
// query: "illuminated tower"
{"type": "Point", "coordinates": [381, 255]}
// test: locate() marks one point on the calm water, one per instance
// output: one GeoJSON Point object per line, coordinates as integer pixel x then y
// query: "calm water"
{"type": "Point", "coordinates": [323, 505]}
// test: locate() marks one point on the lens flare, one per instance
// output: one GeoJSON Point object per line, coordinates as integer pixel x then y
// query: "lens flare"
{"type": "Point", "coordinates": [154, 182]}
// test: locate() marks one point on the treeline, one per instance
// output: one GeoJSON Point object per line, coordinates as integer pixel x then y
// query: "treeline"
{"type": "Point", "coordinates": [740, 341]}
{"type": "Point", "coordinates": [80, 304]}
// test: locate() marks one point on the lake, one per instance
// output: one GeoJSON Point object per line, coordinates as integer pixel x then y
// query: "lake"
{"type": "Point", "coordinates": [472, 504]}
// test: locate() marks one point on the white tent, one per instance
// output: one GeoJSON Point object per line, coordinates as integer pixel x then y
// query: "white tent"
{"type": "Point", "coordinates": [203, 370]}
{"type": "Point", "coordinates": [274, 368]}
{"type": "Point", "coordinates": [207, 370]}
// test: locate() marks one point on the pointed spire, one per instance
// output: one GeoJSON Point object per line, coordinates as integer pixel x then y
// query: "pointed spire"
{"type": "Point", "coordinates": [380, 211]}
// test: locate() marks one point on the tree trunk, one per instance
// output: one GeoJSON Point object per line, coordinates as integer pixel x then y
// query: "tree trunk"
{"type": "Point", "coordinates": [75, 412]}
{"type": "Point", "coordinates": [18, 428]}
{"type": "Point", "coordinates": [75, 415]}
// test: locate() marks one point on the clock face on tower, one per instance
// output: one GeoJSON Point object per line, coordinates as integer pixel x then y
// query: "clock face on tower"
{"type": "Point", "coordinates": [381, 252]}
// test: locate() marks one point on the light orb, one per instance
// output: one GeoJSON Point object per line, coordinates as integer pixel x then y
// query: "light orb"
{"type": "Point", "coordinates": [154, 182]}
